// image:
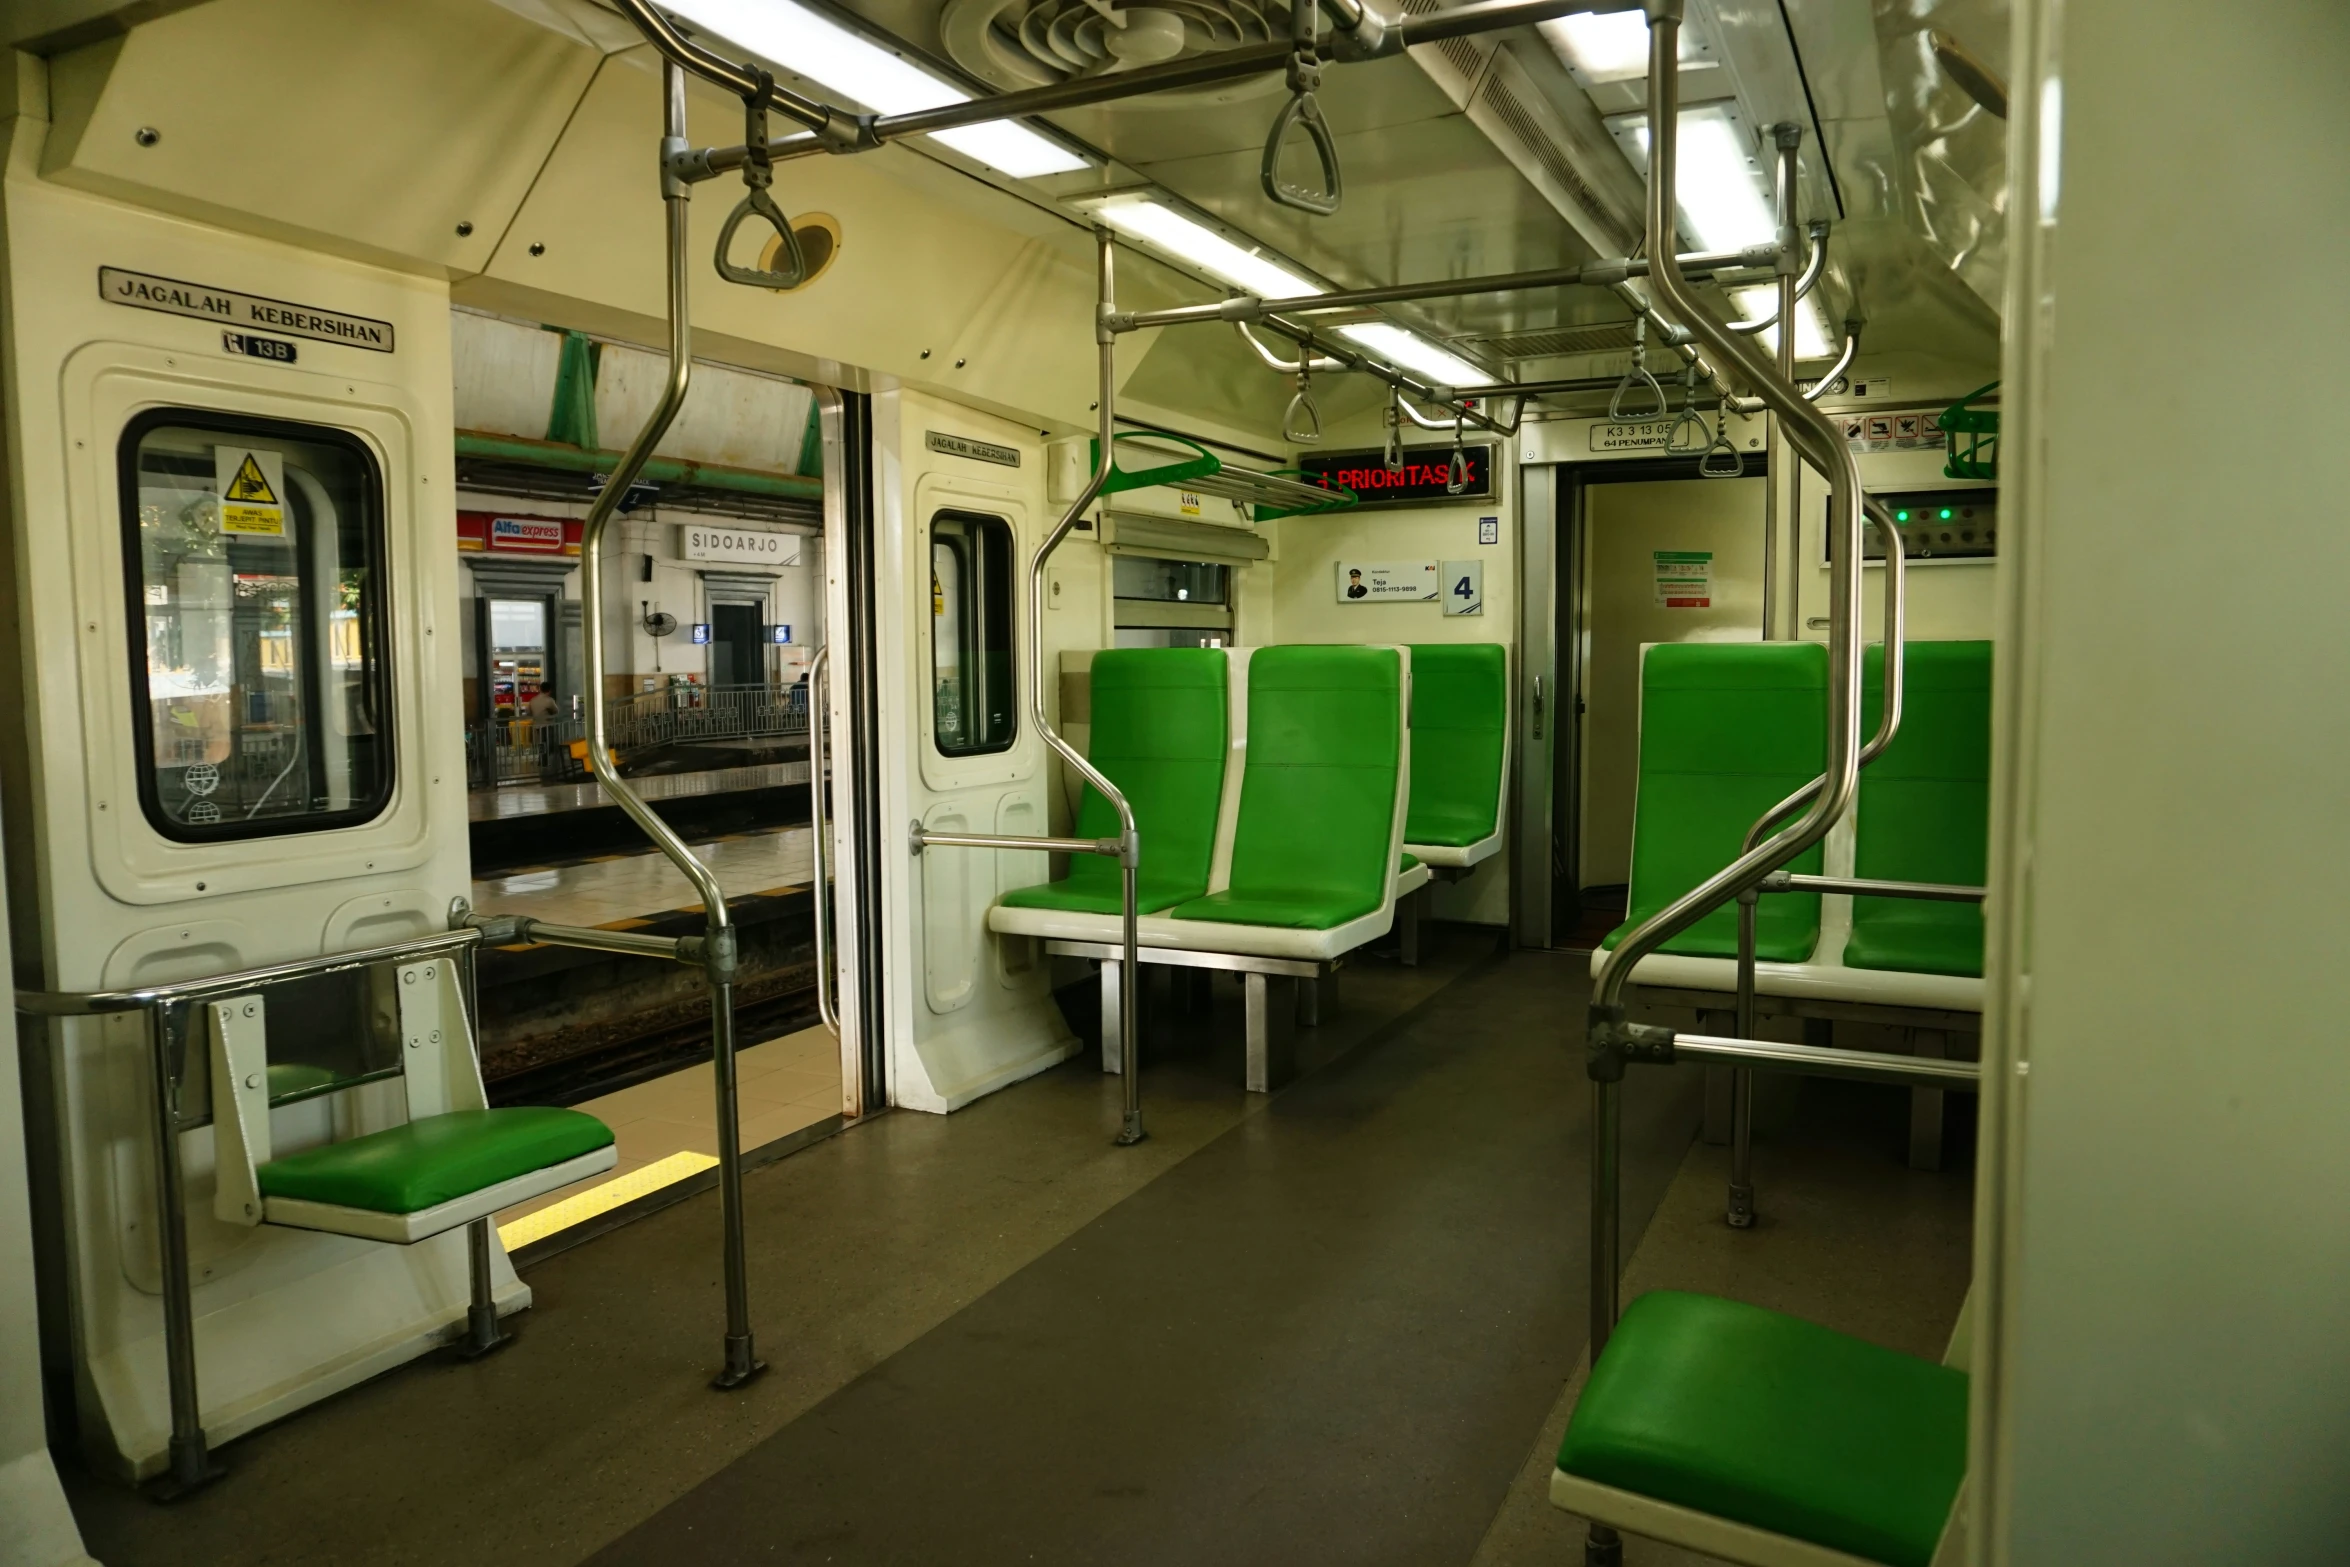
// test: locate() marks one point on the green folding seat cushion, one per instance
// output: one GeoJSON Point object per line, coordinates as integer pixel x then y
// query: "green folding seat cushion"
{"type": "Point", "coordinates": [1460, 711]}
{"type": "Point", "coordinates": [438, 1159]}
{"type": "Point", "coordinates": [1313, 847]}
{"type": "Point", "coordinates": [1727, 730]}
{"type": "Point", "coordinates": [1159, 734]}
{"type": "Point", "coordinates": [1774, 1422]}
{"type": "Point", "coordinates": [1925, 810]}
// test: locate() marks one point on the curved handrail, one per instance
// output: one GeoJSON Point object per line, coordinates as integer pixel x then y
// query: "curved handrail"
{"type": "Point", "coordinates": [1819, 389]}
{"type": "Point", "coordinates": [1285, 366]}
{"type": "Point", "coordinates": [1130, 856]}
{"type": "Point", "coordinates": [1819, 443]}
{"type": "Point", "coordinates": [1813, 266]}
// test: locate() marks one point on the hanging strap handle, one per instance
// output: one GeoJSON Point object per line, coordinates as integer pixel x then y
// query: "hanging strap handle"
{"type": "Point", "coordinates": [1301, 421]}
{"type": "Point", "coordinates": [758, 175]}
{"type": "Point", "coordinates": [1637, 375]}
{"type": "Point", "coordinates": [1698, 440]}
{"type": "Point", "coordinates": [1456, 472]}
{"type": "Point", "coordinates": [1394, 452]}
{"type": "Point", "coordinates": [1305, 76]}
{"type": "Point", "coordinates": [1711, 465]}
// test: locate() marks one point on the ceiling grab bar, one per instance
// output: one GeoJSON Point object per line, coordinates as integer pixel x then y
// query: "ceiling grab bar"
{"type": "Point", "coordinates": [1612, 1041]}
{"type": "Point", "coordinates": [1834, 372]}
{"type": "Point", "coordinates": [1303, 110]}
{"type": "Point", "coordinates": [758, 175]}
{"type": "Point", "coordinates": [1818, 233]}
{"type": "Point", "coordinates": [1274, 361]}
{"type": "Point", "coordinates": [819, 852]}
{"type": "Point", "coordinates": [741, 1363]}
{"type": "Point", "coordinates": [1636, 374]}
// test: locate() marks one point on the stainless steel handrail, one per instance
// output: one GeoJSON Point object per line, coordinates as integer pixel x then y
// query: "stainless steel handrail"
{"type": "Point", "coordinates": [1872, 887]}
{"type": "Point", "coordinates": [741, 1362]}
{"type": "Point", "coordinates": [96, 1003]}
{"type": "Point", "coordinates": [1868, 1066]}
{"type": "Point", "coordinates": [1612, 1041]}
{"type": "Point", "coordinates": [819, 851]}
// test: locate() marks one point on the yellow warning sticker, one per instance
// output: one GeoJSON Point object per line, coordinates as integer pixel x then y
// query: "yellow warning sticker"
{"type": "Point", "coordinates": [252, 485]}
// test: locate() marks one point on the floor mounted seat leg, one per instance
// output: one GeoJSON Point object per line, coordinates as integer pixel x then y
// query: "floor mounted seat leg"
{"type": "Point", "coordinates": [1268, 1058]}
{"type": "Point", "coordinates": [482, 1333]}
{"type": "Point", "coordinates": [1309, 1001]}
{"type": "Point", "coordinates": [1718, 1110]}
{"type": "Point", "coordinates": [1113, 999]}
{"type": "Point", "coordinates": [1408, 929]}
{"type": "Point", "coordinates": [1925, 1104]}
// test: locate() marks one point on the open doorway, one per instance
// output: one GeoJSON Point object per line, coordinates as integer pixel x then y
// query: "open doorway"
{"type": "Point", "coordinates": [738, 645]}
{"type": "Point", "coordinates": [1649, 553]}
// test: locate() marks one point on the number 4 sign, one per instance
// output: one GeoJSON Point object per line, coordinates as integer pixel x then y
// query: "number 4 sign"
{"type": "Point", "coordinates": [1464, 586]}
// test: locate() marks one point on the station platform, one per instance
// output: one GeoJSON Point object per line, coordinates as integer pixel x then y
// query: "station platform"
{"type": "Point", "coordinates": [788, 1084]}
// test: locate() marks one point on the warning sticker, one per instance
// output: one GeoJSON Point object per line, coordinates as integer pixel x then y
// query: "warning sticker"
{"type": "Point", "coordinates": [252, 483]}
{"type": "Point", "coordinates": [1684, 579]}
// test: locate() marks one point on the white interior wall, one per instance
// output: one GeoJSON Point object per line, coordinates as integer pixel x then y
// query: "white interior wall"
{"type": "Point", "coordinates": [2162, 1260]}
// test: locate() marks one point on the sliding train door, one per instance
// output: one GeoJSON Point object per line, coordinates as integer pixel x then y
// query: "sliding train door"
{"type": "Point", "coordinates": [961, 508]}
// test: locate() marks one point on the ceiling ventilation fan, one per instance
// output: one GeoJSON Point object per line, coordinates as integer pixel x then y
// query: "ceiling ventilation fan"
{"type": "Point", "coordinates": [1033, 43]}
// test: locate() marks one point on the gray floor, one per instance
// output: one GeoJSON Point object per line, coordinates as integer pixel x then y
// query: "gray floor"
{"type": "Point", "coordinates": [1330, 1326]}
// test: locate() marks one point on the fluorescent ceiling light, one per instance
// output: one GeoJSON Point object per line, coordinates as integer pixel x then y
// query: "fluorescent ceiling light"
{"type": "Point", "coordinates": [861, 70]}
{"type": "Point", "coordinates": [1410, 351]}
{"type": "Point", "coordinates": [1719, 184]}
{"type": "Point", "coordinates": [1178, 237]}
{"type": "Point", "coordinates": [1611, 47]}
{"type": "Point", "coordinates": [1811, 329]}
{"type": "Point", "coordinates": [1182, 239]}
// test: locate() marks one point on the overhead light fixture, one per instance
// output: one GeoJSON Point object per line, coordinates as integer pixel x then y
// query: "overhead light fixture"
{"type": "Point", "coordinates": [1141, 216]}
{"type": "Point", "coordinates": [1410, 351]}
{"type": "Point", "coordinates": [1612, 47]}
{"type": "Point", "coordinates": [1760, 300]}
{"type": "Point", "coordinates": [1719, 184]}
{"type": "Point", "coordinates": [863, 71]}
{"type": "Point", "coordinates": [1194, 244]}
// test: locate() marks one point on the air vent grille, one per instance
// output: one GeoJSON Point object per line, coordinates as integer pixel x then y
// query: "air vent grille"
{"type": "Point", "coordinates": [1522, 124]}
{"type": "Point", "coordinates": [1554, 342]}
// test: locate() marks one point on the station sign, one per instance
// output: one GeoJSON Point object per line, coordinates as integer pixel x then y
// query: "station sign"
{"type": "Point", "coordinates": [1418, 481]}
{"type": "Point", "coordinates": [737, 546]}
{"type": "Point", "coordinates": [495, 534]}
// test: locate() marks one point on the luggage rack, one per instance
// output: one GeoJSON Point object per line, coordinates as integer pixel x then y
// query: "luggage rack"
{"type": "Point", "coordinates": [1282, 492]}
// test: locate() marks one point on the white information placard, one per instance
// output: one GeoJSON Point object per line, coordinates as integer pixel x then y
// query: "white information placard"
{"type": "Point", "coordinates": [1386, 581]}
{"type": "Point", "coordinates": [1464, 586]}
{"type": "Point", "coordinates": [1684, 579]}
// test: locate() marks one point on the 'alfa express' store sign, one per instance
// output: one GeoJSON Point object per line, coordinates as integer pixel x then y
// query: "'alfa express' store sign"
{"type": "Point", "coordinates": [494, 534]}
{"type": "Point", "coordinates": [1418, 481]}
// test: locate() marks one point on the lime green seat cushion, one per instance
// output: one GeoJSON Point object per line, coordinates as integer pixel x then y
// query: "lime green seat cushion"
{"type": "Point", "coordinates": [1159, 732]}
{"type": "Point", "coordinates": [1774, 1422]}
{"type": "Point", "coordinates": [1925, 810]}
{"type": "Point", "coordinates": [1314, 846]}
{"type": "Point", "coordinates": [438, 1159]}
{"type": "Point", "coordinates": [1727, 730]}
{"type": "Point", "coordinates": [1460, 713]}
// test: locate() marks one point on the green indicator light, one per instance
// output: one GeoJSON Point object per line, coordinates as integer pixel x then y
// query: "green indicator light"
{"type": "Point", "coordinates": [1901, 516]}
{"type": "Point", "coordinates": [1945, 514]}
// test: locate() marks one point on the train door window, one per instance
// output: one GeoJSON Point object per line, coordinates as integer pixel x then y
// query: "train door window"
{"type": "Point", "coordinates": [971, 684]}
{"type": "Point", "coordinates": [1171, 603]}
{"type": "Point", "coordinates": [254, 552]}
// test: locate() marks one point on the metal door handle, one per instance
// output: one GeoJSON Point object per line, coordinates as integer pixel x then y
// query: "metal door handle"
{"type": "Point", "coordinates": [1537, 707]}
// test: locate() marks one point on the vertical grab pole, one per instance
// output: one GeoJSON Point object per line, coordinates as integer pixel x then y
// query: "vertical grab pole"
{"type": "Point", "coordinates": [1130, 841]}
{"type": "Point", "coordinates": [190, 1463]}
{"type": "Point", "coordinates": [1741, 1207]}
{"type": "Point", "coordinates": [740, 1363]}
{"type": "Point", "coordinates": [1787, 137]}
{"type": "Point", "coordinates": [1612, 1043]}
{"type": "Point", "coordinates": [819, 854]}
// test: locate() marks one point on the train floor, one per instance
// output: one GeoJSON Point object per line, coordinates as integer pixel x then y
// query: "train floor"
{"type": "Point", "coordinates": [1339, 1324]}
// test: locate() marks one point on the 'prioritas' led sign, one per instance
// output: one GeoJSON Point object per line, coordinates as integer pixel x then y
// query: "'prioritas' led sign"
{"type": "Point", "coordinates": [1418, 481]}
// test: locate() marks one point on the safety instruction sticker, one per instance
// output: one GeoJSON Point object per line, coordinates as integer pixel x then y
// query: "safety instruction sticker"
{"type": "Point", "coordinates": [1684, 579]}
{"type": "Point", "coordinates": [1386, 581]}
{"type": "Point", "coordinates": [252, 485]}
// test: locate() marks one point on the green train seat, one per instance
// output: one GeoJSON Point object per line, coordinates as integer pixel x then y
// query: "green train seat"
{"type": "Point", "coordinates": [1925, 811]}
{"type": "Point", "coordinates": [1161, 733]}
{"type": "Point", "coordinates": [1727, 730]}
{"type": "Point", "coordinates": [1460, 752]}
{"type": "Point", "coordinates": [1761, 1438]}
{"type": "Point", "coordinates": [452, 1162]}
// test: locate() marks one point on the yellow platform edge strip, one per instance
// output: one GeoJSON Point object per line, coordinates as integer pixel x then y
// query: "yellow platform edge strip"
{"type": "Point", "coordinates": [602, 1197]}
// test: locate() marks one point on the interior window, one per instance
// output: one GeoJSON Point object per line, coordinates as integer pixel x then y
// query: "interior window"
{"type": "Point", "coordinates": [971, 684]}
{"type": "Point", "coordinates": [254, 550]}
